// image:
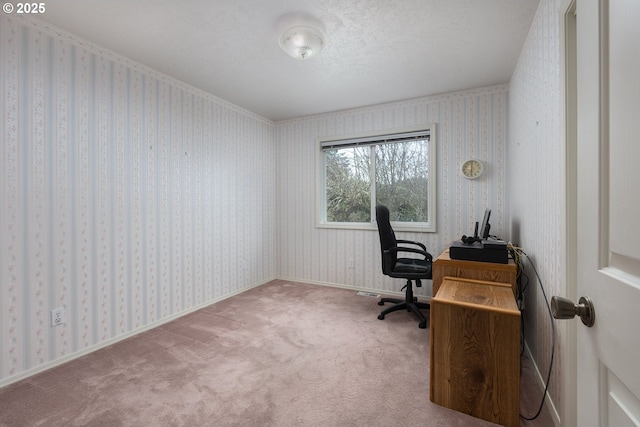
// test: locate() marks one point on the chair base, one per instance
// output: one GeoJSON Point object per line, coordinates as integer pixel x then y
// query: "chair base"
{"type": "Point", "coordinates": [410, 303]}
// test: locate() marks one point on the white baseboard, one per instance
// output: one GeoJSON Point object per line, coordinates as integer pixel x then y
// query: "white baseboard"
{"type": "Point", "coordinates": [69, 357]}
{"type": "Point", "coordinates": [540, 379]}
{"type": "Point", "coordinates": [353, 288]}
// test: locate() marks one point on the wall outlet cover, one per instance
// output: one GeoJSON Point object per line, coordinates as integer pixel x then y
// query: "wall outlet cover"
{"type": "Point", "coordinates": [57, 316]}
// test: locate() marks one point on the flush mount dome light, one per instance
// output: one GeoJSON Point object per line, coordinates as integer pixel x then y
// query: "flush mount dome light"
{"type": "Point", "coordinates": [302, 42]}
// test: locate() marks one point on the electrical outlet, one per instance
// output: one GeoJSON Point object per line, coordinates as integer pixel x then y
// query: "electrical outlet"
{"type": "Point", "coordinates": [352, 263]}
{"type": "Point", "coordinates": [57, 316]}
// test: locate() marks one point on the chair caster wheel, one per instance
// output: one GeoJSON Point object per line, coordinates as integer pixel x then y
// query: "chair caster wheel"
{"type": "Point", "coordinates": [380, 303]}
{"type": "Point", "coordinates": [381, 316]}
{"type": "Point", "coordinates": [422, 325]}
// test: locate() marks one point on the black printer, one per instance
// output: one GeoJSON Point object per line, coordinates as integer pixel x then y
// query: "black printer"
{"type": "Point", "coordinates": [483, 250]}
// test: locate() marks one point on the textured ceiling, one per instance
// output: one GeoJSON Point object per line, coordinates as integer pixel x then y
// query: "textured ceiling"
{"type": "Point", "coordinates": [376, 51]}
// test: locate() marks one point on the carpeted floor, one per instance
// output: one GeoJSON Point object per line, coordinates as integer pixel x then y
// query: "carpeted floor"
{"type": "Point", "coordinates": [281, 354]}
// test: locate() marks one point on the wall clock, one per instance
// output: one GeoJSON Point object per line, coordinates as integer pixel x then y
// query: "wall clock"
{"type": "Point", "coordinates": [472, 169]}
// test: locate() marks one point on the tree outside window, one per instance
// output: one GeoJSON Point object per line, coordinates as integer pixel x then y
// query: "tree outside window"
{"type": "Point", "coordinates": [391, 171]}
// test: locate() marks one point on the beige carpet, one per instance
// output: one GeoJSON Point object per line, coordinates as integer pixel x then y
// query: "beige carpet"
{"type": "Point", "coordinates": [282, 354]}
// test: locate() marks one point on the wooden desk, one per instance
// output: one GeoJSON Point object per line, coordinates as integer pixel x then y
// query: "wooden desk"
{"type": "Point", "coordinates": [488, 271]}
{"type": "Point", "coordinates": [475, 350]}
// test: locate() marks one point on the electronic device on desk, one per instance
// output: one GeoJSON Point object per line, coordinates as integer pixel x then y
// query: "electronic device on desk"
{"type": "Point", "coordinates": [480, 247]}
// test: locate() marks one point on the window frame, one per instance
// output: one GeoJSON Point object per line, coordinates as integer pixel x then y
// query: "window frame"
{"type": "Point", "coordinates": [374, 138]}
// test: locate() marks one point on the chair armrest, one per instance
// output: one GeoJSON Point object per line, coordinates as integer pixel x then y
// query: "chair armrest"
{"type": "Point", "coordinates": [411, 242]}
{"type": "Point", "coordinates": [396, 249]}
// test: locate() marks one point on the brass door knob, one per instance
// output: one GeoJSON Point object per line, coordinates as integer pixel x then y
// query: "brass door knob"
{"type": "Point", "coordinates": [563, 308]}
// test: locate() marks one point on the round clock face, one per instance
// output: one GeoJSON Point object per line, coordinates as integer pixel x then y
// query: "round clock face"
{"type": "Point", "coordinates": [472, 169]}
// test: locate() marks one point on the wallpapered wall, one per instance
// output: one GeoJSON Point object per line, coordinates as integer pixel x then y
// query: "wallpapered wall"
{"type": "Point", "coordinates": [469, 124]}
{"type": "Point", "coordinates": [126, 197]}
{"type": "Point", "coordinates": [537, 181]}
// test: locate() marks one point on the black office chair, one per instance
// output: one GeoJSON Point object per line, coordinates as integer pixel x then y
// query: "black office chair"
{"type": "Point", "coordinates": [402, 268]}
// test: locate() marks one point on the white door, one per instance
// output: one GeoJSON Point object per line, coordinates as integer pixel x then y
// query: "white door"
{"type": "Point", "coordinates": [608, 210]}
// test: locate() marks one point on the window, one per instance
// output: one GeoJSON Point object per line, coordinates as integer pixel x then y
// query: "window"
{"type": "Point", "coordinates": [397, 169]}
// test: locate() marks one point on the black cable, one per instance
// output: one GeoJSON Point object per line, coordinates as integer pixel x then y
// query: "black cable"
{"type": "Point", "coordinates": [526, 283]}
{"type": "Point", "coordinates": [513, 252]}
{"type": "Point", "coordinates": [522, 339]}
{"type": "Point", "coordinates": [553, 337]}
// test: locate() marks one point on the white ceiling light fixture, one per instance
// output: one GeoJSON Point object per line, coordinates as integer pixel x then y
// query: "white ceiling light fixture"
{"type": "Point", "coordinates": [302, 42]}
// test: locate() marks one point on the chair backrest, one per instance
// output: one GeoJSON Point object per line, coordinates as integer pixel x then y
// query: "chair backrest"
{"type": "Point", "coordinates": [387, 238]}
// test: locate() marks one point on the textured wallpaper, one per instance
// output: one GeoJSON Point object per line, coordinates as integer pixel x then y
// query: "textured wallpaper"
{"type": "Point", "coordinates": [469, 124]}
{"type": "Point", "coordinates": [125, 197]}
{"type": "Point", "coordinates": [537, 180]}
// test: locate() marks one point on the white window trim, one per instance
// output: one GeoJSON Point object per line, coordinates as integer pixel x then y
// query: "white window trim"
{"type": "Point", "coordinates": [321, 207]}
